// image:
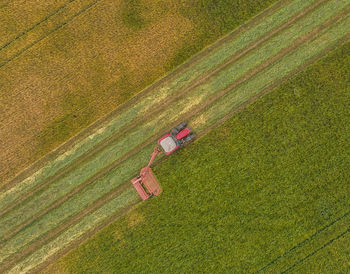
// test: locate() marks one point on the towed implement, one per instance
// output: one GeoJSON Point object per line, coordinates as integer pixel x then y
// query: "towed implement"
{"type": "Point", "coordinates": [146, 183]}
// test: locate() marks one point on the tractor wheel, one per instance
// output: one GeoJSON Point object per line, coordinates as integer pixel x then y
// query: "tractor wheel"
{"type": "Point", "coordinates": [181, 126]}
{"type": "Point", "coordinates": [189, 138]}
{"type": "Point", "coordinates": [174, 131]}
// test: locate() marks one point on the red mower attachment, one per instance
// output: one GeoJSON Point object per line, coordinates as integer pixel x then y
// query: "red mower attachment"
{"type": "Point", "coordinates": [146, 183]}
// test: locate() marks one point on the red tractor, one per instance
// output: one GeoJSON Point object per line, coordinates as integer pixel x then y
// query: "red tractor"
{"type": "Point", "coordinates": [146, 183]}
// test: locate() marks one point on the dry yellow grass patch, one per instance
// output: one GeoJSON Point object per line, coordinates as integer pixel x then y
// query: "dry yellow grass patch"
{"type": "Point", "coordinates": [135, 218]}
{"type": "Point", "coordinates": [79, 73]}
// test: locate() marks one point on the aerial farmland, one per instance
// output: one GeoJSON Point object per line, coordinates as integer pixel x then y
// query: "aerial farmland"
{"type": "Point", "coordinates": [89, 89]}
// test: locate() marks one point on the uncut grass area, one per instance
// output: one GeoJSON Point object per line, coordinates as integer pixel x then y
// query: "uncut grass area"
{"type": "Point", "coordinates": [248, 194]}
{"type": "Point", "coordinates": [66, 64]}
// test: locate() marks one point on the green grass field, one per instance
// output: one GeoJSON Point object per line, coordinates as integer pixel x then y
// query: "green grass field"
{"type": "Point", "coordinates": [85, 185]}
{"type": "Point", "coordinates": [265, 192]}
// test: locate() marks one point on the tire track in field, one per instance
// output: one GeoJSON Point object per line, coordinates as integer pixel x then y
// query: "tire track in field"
{"type": "Point", "coordinates": [170, 76]}
{"type": "Point", "coordinates": [49, 33]}
{"type": "Point", "coordinates": [317, 250]}
{"type": "Point", "coordinates": [162, 105]}
{"type": "Point", "coordinates": [36, 24]}
{"type": "Point", "coordinates": [28, 249]}
{"type": "Point", "coordinates": [299, 245]}
{"type": "Point", "coordinates": [111, 219]}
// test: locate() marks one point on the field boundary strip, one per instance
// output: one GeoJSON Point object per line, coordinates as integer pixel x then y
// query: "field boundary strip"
{"type": "Point", "coordinates": [216, 96]}
{"type": "Point", "coordinates": [36, 24]}
{"type": "Point", "coordinates": [113, 218]}
{"type": "Point", "coordinates": [135, 122]}
{"type": "Point", "coordinates": [189, 114]}
{"type": "Point", "coordinates": [317, 250]}
{"type": "Point", "coordinates": [265, 91]}
{"type": "Point", "coordinates": [97, 124]}
{"type": "Point", "coordinates": [87, 7]}
{"type": "Point", "coordinates": [302, 243]}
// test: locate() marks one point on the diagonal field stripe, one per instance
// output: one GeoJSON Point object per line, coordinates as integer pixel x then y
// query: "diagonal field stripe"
{"type": "Point", "coordinates": [14, 231]}
{"type": "Point", "coordinates": [36, 24]}
{"type": "Point", "coordinates": [259, 68]}
{"type": "Point", "coordinates": [49, 33]}
{"type": "Point", "coordinates": [299, 245]}
{"type": "Point", "coordinates": [157, 110]}
{"type": "Point", "coordinates": [317, 250]}
{"type": "Point", "coordinates": [90, 233]}
{"type": "Point", "coordinates": [143, 94]}
{"type": "Point", "coordinates": [283, 52]}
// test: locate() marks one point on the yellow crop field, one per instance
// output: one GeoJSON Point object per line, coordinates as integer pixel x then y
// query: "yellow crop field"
{"type": "Point", "coordinates": [64, 64]}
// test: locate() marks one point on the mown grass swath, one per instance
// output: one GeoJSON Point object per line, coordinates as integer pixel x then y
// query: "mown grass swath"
{"type": "Point", "coordinates": [54, 41]}
{"type": "Point", "coordinates": [81, 175]}
{"type": "Point", "coordinates": [239, 69]}
{"type": "Point", "coordinates": [140, 109]}
{"type": "Point", "coordinates": [278, 53]}
{"type": "Point", "coordinates": [257, 186]}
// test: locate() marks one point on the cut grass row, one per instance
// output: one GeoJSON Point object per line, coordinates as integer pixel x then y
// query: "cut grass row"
{"type": "Point", "coordinates": [112, 155]}
{"type": "Point", "coordinates": [141, 108]}
{"type": "Point", "coordinates": [247, 192]}
{"type": "Point", "coordinates": [112, 208]}
{"type": "Point", "coordinates": [338, 29]}
{"type": "Point", "coordinates": [32, 208]}
{"type": "Point", "coordinates": [89, 168]}
{"type": "Point", "coordinates": [93, 64]}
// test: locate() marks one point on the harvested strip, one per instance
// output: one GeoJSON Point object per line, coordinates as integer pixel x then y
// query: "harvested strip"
{"type": "Point", "coordinates": [298, 16]}
{"type": "Point", "coordinates": [311, 45]}
{"type": "Point", "coordinates": [101, 187]}
{"type": "Point", "coordinates": [160, 108]}
{"type": "Point", "coordinates": [48, 252]}
{"type": "Point", "coordinates": [264, 65]}
{"type": "Point", "coordinates": [252, 87]}
{"type": "Point", "coordinates": [31, 248]}
{"type": "Point", "coordinates": [89, 234]}
{"type": "Point", "coordinates": [291, 8]}
{"type": "Point", "coordinates": [16, 230]}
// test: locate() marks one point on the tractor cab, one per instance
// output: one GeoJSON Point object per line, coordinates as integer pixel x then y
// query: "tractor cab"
{"type": "Point", "coordinates": [176, 138]}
